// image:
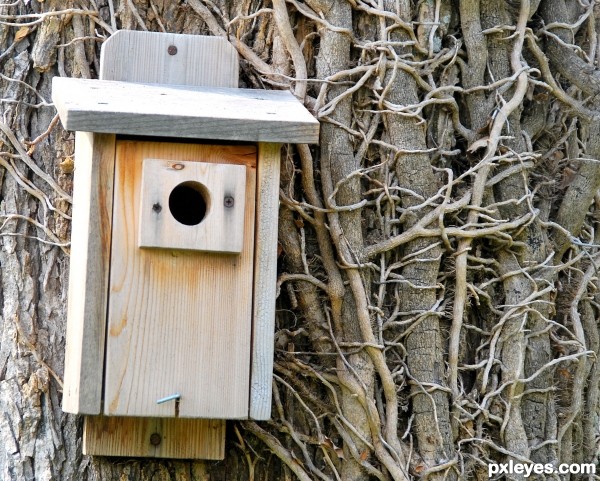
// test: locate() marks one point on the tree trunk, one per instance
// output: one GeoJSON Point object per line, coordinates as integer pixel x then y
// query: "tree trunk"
{"type": "Point", "coordinates": [438, 286]}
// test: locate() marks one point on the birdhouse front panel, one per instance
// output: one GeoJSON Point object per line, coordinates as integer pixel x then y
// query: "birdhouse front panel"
{"type": "Point", "coordinates": [181, 280]}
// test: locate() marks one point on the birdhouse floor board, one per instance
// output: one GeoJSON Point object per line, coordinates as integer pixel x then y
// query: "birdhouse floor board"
{"type": "Point", "coordinates": [178, 321]}
{"type": "Point", "coordinates": [178, 111]}
{"type": "Point", "coordinates": [154, 437]}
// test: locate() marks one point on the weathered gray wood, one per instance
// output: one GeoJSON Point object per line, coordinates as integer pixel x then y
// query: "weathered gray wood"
{"type": "Point", "coordinates": [221, 229]}
{"type": "Point", "coordinates": [192, 112]}
{"type": "Point", "coordinates": [265, 280]}
{"type": "Point", "coordinates": [88, 275]}
{"type": "Point", "coordinates": [225, 114]}
{"type": "Point", "coordinates": [130, 56]}
{"type": "Point", "coordinates": [198, 60]}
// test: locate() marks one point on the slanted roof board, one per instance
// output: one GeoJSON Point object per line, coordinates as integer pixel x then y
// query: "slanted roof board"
{"type": "Point", "coordinates": [183, 111]}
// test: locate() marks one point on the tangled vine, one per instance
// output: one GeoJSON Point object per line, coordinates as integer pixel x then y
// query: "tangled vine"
{"type": "Point", "coordinates": [438, 284]}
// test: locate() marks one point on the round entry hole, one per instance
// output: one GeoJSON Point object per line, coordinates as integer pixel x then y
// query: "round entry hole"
{"type": "Point", "coordinates": [188, 203]}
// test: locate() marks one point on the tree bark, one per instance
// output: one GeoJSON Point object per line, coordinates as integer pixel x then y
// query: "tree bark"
{"type": "Point", "coordinates": [438, 285]}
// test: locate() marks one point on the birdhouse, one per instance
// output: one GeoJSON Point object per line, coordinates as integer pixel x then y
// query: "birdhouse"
{"type": "Point", "coordinates": [174, 243]}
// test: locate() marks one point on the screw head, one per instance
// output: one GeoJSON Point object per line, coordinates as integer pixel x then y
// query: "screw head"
{"type": "Point", "coordinates": [228, 201]}
{"type": "Point", "coordinates": [172, 50]}
{"type": "Point", "coordinates": [155, 439]}
{"type": "Point", "coordinates": [157, 208]}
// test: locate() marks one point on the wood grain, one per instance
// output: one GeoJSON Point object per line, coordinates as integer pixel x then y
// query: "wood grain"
{"type": "Point", "coordinates": [193, 112]}
{"type": "Point", "coordinates": [88, 272]}
{"type": "Point", "coordinates": [179, 438]}
{"type": "Point", "coordinates": [265, 280]}
{"type": "Point", "coordinates": [198, 60]}
{"type": "Point", "coordinates": [221, 229]}
{"type": "Point", "coordinates": [140, 57]}
{"type": "Point", "coordinates": [178, 321]}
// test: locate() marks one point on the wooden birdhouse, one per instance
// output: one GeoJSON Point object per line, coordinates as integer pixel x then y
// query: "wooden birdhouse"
{"type": "Point", "coordinates": [173, 259]}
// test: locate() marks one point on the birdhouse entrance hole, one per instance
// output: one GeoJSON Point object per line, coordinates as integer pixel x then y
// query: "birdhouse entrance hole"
{"type": "Point", "coordinates": [188, 203]}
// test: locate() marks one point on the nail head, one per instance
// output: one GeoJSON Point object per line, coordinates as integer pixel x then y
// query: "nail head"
{"type": "Point", "coordinates": [155, 439]}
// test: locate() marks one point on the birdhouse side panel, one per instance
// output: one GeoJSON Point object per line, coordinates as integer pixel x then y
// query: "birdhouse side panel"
{"type": "Point", "coordinates": [88, 272]}
{"type": "Point", "coordinates": [179, 321]}
{"type": "Point", "coordinates": [265, 280]}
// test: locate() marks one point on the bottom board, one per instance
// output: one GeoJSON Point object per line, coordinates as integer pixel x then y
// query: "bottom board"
{"type": "Point", "coordinates": [177, 438]}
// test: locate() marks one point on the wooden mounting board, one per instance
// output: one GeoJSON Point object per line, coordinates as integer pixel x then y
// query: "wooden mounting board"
{"type": "Point", "coordinates": [177, 438]}
{"type": "Point", "coordinates": [135, 56]}
{"type": "Point", "coordinates": [175, 111]}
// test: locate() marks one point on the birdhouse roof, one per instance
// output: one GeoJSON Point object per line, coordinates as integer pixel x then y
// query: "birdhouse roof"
{"type": "Point", "coordinates": [182, 111]}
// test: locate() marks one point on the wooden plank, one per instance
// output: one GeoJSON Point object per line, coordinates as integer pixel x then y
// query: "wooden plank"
{"type": "Point", "coordinates": [178, 321]}
{"type": "Point", "coordinates": [208, 199]}
{"type": "Point", "coordinates": [88, 272]}
{"type": "Point", "coordinates": [191, 112]}
{"type": "Point", "coordinates": [265, 280]}
{"type": "Point", "coordinates": [154, 437]}
{"type": "Point", "coordinates": [198, 60]}
{"type": "Point", "coordinates": [140, 57]}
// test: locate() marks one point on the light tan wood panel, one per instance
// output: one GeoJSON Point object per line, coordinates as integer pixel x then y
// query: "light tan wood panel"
{"type": "Point", "coordinates": [132, 56]}
{"type": "Point", "coordinates": [154, 437]}
{"type": "Point", "coordinates": [179, 321]}
{"type": "Point", "coordinates": [88, 272]}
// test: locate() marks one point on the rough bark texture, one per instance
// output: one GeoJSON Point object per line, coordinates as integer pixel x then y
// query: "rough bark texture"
{"type": "Point", "coordinates": [438, 284]}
